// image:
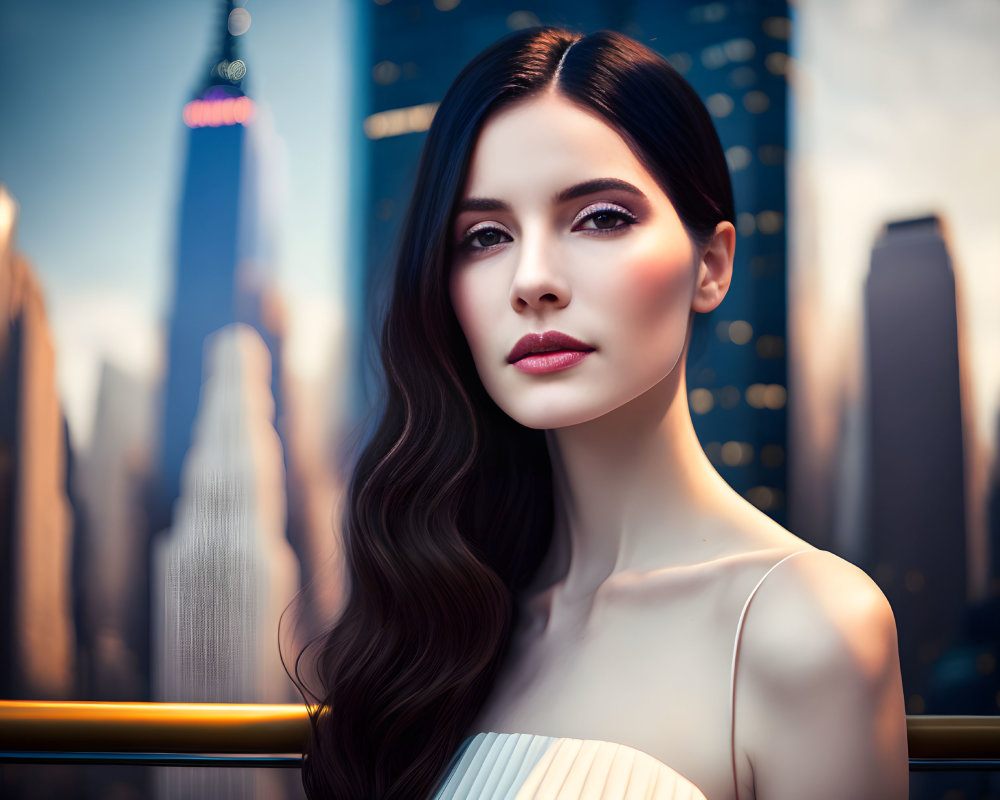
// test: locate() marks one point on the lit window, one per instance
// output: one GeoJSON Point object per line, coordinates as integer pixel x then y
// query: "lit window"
{"type": "Point", "coordinates": [714, 57]}
{"type": "Point", "coordinates": [770, 221]}
{"type": "Point", "coordinates": [777, 63]}
{"type": "Point", "coordinates": [719, 105]}
{"type": "Point", "coordinates": [710, 12]}
{"type": "Point", "coordinates": [701, 401]}
{"type": "Point", "coordinates": [756, 102]}
{"type": "Point", "coordinates": [739, 49]}
{"type": "Point", "coordinates": [737, 454]}
{"type": "Point", "coordinates": [385, 72]}
{"type": "Point", "coordinates": [740, 332]}
{"type": "Point", "coordinates": [729, 397]}
{"type": "Point", "coordinates": [755, 395]}
{"type": "Point", "coordinates": [775, 396]}
{"type": "Point", "coordinates": [398, 121]}
{"type": "Point", "coordinates": [738, 157]}
{"type": "Point", "coordinates": [778, 27]}
{"type": "Point", "coordinates": [680, 62]}
{"type": "Point", "coordinates": [518, 20]}
{"type": "Point", "coordinates": [239, 21]}
{"type": "Point", "coordinates": [769, 346]}
{"type": "Point", "coordinates": [766, 498]}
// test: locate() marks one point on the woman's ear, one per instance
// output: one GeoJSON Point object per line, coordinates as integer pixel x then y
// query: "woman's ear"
{"type": "Point", "coordinates": [715, 269]}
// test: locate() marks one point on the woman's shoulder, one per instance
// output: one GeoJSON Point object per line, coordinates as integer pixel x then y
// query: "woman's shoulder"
{"type": "Point", "coordinates": [819, 699]}
{"type": "Point", "coordinates": [815, 619]}
{"type": "Point", "coordinates": [811, 606]}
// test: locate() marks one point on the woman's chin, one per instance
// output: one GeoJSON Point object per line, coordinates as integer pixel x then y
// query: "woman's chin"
{"type": "Point", "coordinates": [553, 418]}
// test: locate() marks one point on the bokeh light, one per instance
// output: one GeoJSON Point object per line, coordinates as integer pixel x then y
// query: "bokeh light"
{"type": "Point", "coordinates": [239, 21]}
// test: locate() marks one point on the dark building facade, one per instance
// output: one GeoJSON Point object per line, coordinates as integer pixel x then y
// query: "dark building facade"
{"type": "Point", "coordinates": [735, 55]}
{"type": "Point", "coordinates": [916, 543]}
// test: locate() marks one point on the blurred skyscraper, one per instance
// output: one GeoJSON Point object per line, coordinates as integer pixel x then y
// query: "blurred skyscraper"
{"type": "Point", "coordinates": [225, 249]}
{"type": "Point", "coordinates": [37, 638]}
{"type": "Point", "coordinates": [993, 517]}
{"type": "Point", "coordinates": [111, 585]}
{"type": "Point", "coordinates": [734, 54]}
{"type": "Point", "coordinates": [225, 571]}
{"type": "Point", "coordinates": [916, 543]}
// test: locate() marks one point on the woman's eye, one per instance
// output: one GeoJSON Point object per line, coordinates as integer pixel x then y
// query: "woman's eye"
{"type": "Point", "coordinates": [604, 219]}
{"type": "Point", "coordinates": [485, 238]}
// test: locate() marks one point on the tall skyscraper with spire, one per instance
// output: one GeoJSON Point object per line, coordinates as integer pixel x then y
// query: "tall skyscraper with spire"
{"type": "Point", "coordinates": [225, 248]}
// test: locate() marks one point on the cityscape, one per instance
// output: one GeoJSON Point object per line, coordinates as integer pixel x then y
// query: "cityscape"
{"type": "Point", "coordinates": [159, 537]}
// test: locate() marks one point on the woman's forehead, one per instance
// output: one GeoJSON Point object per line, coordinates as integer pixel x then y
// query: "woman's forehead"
{"type": "Point", "coordinates": [544, 144]}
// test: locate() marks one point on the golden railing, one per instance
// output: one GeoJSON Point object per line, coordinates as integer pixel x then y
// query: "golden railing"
{"type": "Point", "coordinates": [274, 735]}
{"type": "Point", "coordinates": [172, 734]}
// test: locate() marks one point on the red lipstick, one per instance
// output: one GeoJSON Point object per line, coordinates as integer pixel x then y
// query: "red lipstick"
{"type": "Point", "coordinates": [552, 351]}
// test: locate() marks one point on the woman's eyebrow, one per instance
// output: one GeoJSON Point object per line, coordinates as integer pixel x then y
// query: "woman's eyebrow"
{"type": "Point", "coordinates": [570, 193]}
{"type": "Point", "coordinates": [594, 186]}
{"type": "Point", "coordinates": [482, 204]}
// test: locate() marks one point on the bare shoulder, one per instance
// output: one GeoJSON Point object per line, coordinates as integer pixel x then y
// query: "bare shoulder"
{"type": "Point", "coordinates": [819, 684]}
{"type": "Point", "coordinates": [814, 614]}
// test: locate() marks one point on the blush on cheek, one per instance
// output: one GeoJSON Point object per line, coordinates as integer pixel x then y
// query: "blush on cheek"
{"type": "Point", "coordinates": [658, 287]}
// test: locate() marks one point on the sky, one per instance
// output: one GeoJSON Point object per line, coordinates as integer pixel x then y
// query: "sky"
{"type": "Point", "coordinates": [92, 148]}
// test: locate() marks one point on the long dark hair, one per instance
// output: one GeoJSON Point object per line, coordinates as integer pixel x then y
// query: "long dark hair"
{"type": "Point", "coordinates": [450, 509]}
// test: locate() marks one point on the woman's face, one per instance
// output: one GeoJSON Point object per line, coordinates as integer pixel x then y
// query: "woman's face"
{"type": "Point", "coordinates": [572, 275]}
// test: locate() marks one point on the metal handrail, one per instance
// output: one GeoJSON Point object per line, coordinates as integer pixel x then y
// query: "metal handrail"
{"type": "Point", "coordinates": [274, 735]}
{"type": "Point", "coordinates": [152, 727]}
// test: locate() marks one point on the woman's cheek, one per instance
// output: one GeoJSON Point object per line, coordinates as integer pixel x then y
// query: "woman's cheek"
{"type": "Point", "coordinates": [660, 292]}
{"type": "Point", "coordinates": [470, 295]}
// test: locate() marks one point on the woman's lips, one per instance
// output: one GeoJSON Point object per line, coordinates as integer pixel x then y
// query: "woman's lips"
{"type": "Point", "coordinates": [552, 351]}
{"type": "Point", "coordinates": [551, 362]}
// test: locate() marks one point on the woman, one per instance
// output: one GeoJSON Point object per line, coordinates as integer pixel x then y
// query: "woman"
{"type": "Point", "coordinates": [550, 586]}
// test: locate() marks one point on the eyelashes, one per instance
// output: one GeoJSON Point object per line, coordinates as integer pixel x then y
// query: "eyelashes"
{"type": "Point", "coordinates": [601, 213]}
{"type": "Point", "coordinates": [489, 235]}
{"type": "Point", "coordinates": [597, 219]}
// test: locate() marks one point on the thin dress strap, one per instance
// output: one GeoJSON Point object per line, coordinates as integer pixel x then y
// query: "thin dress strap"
{"type": "Point", "coordinates": [732, 674]}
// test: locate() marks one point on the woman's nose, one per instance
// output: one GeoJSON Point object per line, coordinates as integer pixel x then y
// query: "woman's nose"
{"type": "Point", "coordinates": [538, 282]}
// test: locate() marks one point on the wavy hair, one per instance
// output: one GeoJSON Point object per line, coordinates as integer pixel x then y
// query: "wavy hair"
{"type": "Point", "coordinates": [450, 508]}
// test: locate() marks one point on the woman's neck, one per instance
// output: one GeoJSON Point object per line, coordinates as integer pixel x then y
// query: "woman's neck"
{"type": "Point", "coordinates": [633, 489]}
